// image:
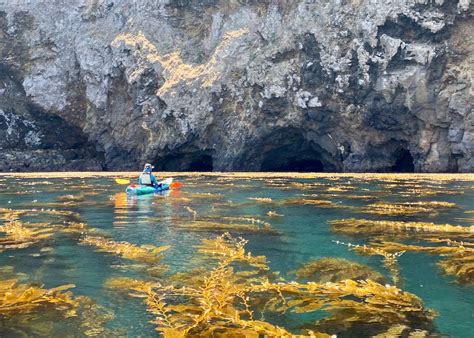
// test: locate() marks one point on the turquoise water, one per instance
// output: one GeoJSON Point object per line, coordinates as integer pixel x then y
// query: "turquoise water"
{"type": "Point", "coordinates": [302, 233]}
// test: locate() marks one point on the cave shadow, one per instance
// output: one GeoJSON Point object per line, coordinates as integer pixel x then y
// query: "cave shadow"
{"type": "Point", "coordinates": [289, 151]}
{"type": "Point", "coordinates": [404, 162]}
{"type": "Point", "coordinates": [200, 161]}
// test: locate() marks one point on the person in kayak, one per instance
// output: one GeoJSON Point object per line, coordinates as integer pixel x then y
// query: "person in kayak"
{"type": "Point", "coordinates": [147, 178]}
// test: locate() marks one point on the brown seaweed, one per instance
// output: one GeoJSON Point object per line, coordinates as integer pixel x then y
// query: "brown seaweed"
{"type": "Point", "coordinates": [146, 253]}
{"type": "Point", "coordinates": [228, 298]}
{"type": "Point", "coordinates": [335, 270]}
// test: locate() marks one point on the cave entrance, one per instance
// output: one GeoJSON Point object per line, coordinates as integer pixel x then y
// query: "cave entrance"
{"type": "Point", "coordinates": [278, 160]}
{"type": "Point", "coordinates": [404, 162]}
{"type": "Point", "coordinates": [289, 151]}
{"type": "Point", "coordinates": [188, 161]}
{"type": "Point", "coordinates": [201, 163]}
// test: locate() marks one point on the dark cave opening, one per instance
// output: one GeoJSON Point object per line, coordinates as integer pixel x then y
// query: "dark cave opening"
{"type": "Point", "coordinates": [293, 165]}
{"type": "Point", "coordinates": [289, 151]}
{"type": "Point", "coordinates": [404, 162]}
{"type": "Point", "coordinates": [186, 161]}
{"type": "Point", "coordinates": [201, 163]}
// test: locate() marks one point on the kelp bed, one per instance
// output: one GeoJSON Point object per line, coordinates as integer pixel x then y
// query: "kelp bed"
{"type": "Point", "coordinates": [237, 255]}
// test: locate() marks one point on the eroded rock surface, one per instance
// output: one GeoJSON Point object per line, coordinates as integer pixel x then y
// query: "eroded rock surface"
{"type": "Point", "coordinates": [333, 85]}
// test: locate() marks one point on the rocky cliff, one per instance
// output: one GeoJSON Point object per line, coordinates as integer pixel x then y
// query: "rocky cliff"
{"type": "Point", "coordinates": [302, 85]}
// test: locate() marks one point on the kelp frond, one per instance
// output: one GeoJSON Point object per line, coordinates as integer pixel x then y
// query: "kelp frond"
{"type": "Point", "coordinates": [22, 298]}
{"type": "Point", "coordinates": [407, 208]}
{"type": "Point", "coordinates": [335, 270]}
{"type": "Point", "coordinates": [390, 258]}
{"type": "Point", "coordinates": [238, 224]}
{"type": "Point", "coordinates": [231, 249]}
{"type": "Point", "coordinates": [225, 301]}
{"type": "Point", "coordinates": [20, 235]}
{"type": "Point", "coordinates": [365, 227]}
{"type": "Point", "coordinates": [457, 260]}
{"type": "Point", "coordinates": [145, 253]}
{"type": "Point", "coordinates": [312, 201]}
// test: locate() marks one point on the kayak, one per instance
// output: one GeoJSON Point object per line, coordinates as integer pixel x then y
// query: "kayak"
{"type": "Point", "coordinates": [137, 189]}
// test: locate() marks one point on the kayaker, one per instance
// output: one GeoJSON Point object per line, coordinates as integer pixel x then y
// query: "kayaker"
{"type": "Point", "coordinates": [147, 178]}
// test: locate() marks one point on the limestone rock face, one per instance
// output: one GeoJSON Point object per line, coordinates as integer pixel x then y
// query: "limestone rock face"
{"type": "Point", "coordinates": [304, 85]}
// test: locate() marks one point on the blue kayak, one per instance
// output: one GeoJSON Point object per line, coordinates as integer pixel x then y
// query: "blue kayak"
{"type": "Point", "coordinates": [137, 189]}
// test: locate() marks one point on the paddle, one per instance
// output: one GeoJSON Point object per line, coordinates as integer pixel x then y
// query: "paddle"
{"type": "Point", "coordinates": [174, 185]}
{"type": "Point", "coordinates": [122, 181]}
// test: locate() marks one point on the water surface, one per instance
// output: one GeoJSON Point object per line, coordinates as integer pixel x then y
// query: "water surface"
{"type": "Point", "coordinates": [301, 232]}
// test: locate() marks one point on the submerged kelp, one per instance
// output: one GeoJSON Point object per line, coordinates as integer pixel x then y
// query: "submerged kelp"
{"type": "Point", "coordinates": [145, 253]}
{"type": "Point", "coordinates": [365, 227]}
{"type": "Point", "coordinates": [390, 259]}
{"type": "Point", "coordinates": [22, 298]}
{"type": "Point", "coordinates": [236, 290]}
{"type": "Point", "coordinates": [19, 235]}
{"type": "Point", "coordinates": [335, 270]}
{"type": "Point", "coordinates": [313, 202]}
{"type": "Point", "coordinates": [458, 256]}
{"type": "Point", "coordinates": [406, 208]}
{"type": "Point", "coordinates": [225, 224]}
{"type": "Point", "coordinates": [28, 309]}
{"type": "Point", "coordinates": [457, 260]}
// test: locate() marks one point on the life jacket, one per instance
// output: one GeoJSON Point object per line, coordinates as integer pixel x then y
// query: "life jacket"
{"type": "Point", "coordinates": [145, 179]}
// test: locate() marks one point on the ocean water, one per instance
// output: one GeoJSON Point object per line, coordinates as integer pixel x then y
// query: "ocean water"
{"type": "Point", "coordinates": [301, 232]}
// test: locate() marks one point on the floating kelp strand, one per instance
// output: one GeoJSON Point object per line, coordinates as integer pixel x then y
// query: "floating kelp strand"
{"type": "Point", "coordinates": [365, 227]}
{"type": "Point", "coordinates": [390, 258]}
{"type": "Point", "coordinates": [261, 199]}
{"type": "Point", "coordinates": [21, 298]}
{"type": "Point", "coordinates": [313, 202]}
{"type": "Point", "coordinates": [20, 235]}
{"type": "Point", "coordinates": [457, 260]}
{"type": "Point", "coordinates": [145, 253]}
{"type": "Point", "coordinates": [331, 269]}
{"type": "Point", "coordinates": [273, 213]}
{"type": "Point", "coordinates": [25, 307]}
{"type": "Point", "coordinates": [216, 304]}
{"type": "Point", "coordinates": [229, 224]}
{"type": "Point", "coordinates": [406, 208]}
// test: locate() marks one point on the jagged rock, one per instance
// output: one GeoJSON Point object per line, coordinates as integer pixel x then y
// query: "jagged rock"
{"type": "Point", "coordinates": [233, 85]}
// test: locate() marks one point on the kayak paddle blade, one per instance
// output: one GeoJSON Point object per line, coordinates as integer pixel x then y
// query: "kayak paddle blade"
{"type": "Point", "coordinates": [122, 181]}
{"type": "Point", "coordinates": [176, 185]}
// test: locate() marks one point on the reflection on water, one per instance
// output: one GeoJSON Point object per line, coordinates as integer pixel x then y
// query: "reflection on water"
{"type": "Point", "coordinates": [240, 254]}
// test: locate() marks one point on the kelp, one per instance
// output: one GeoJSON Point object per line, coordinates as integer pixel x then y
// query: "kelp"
{"type": "Point", "coordinates": [390, 258]}
{"type": "Point", "coordinates": [203, 195]}
{"type": "Point", "coordinates": [459, 264]}
{"type": "Point", "coordinates": [366, 227]}
{"type": "Point", "coordinates": [235, 295]}
{"type": "Point", "coordinates": [340, 188]}
{"type": "Point", "coordinates": [10, 214]}
{"type": "Point", "coordinates": [457, 261]}
{"type": "Point", "coordinates": [20, 235]}
{"type": "Point", "coordinates": [22, 298]}
{"type": "Point", "coordinates": [335, 270]}
{"type": "Point", "coordinates": [228, 224]}
{"type": "Point", "coordinates": [312, 201]}
{"type": "Point", "coordinates": [146, 253]}
{"type": "Point", "coordinates": [360, 306]}
{"type": "Point", "coordinates": [261, 199]}
{"type": "Point", "coordinates": [406, 208]}
{"type": "Point", "coordinates": [31, 310]}
{"type": "Point", "coordinates": [273, 213]}
{"type": "Point", "coordinates": [430, 192]}
{"type": "Point", "coordinates": [230, 249]}
{"type": "Point", "coordinates": [218, 305]}
{"type": "Point", "coordinates": [192, 211]}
